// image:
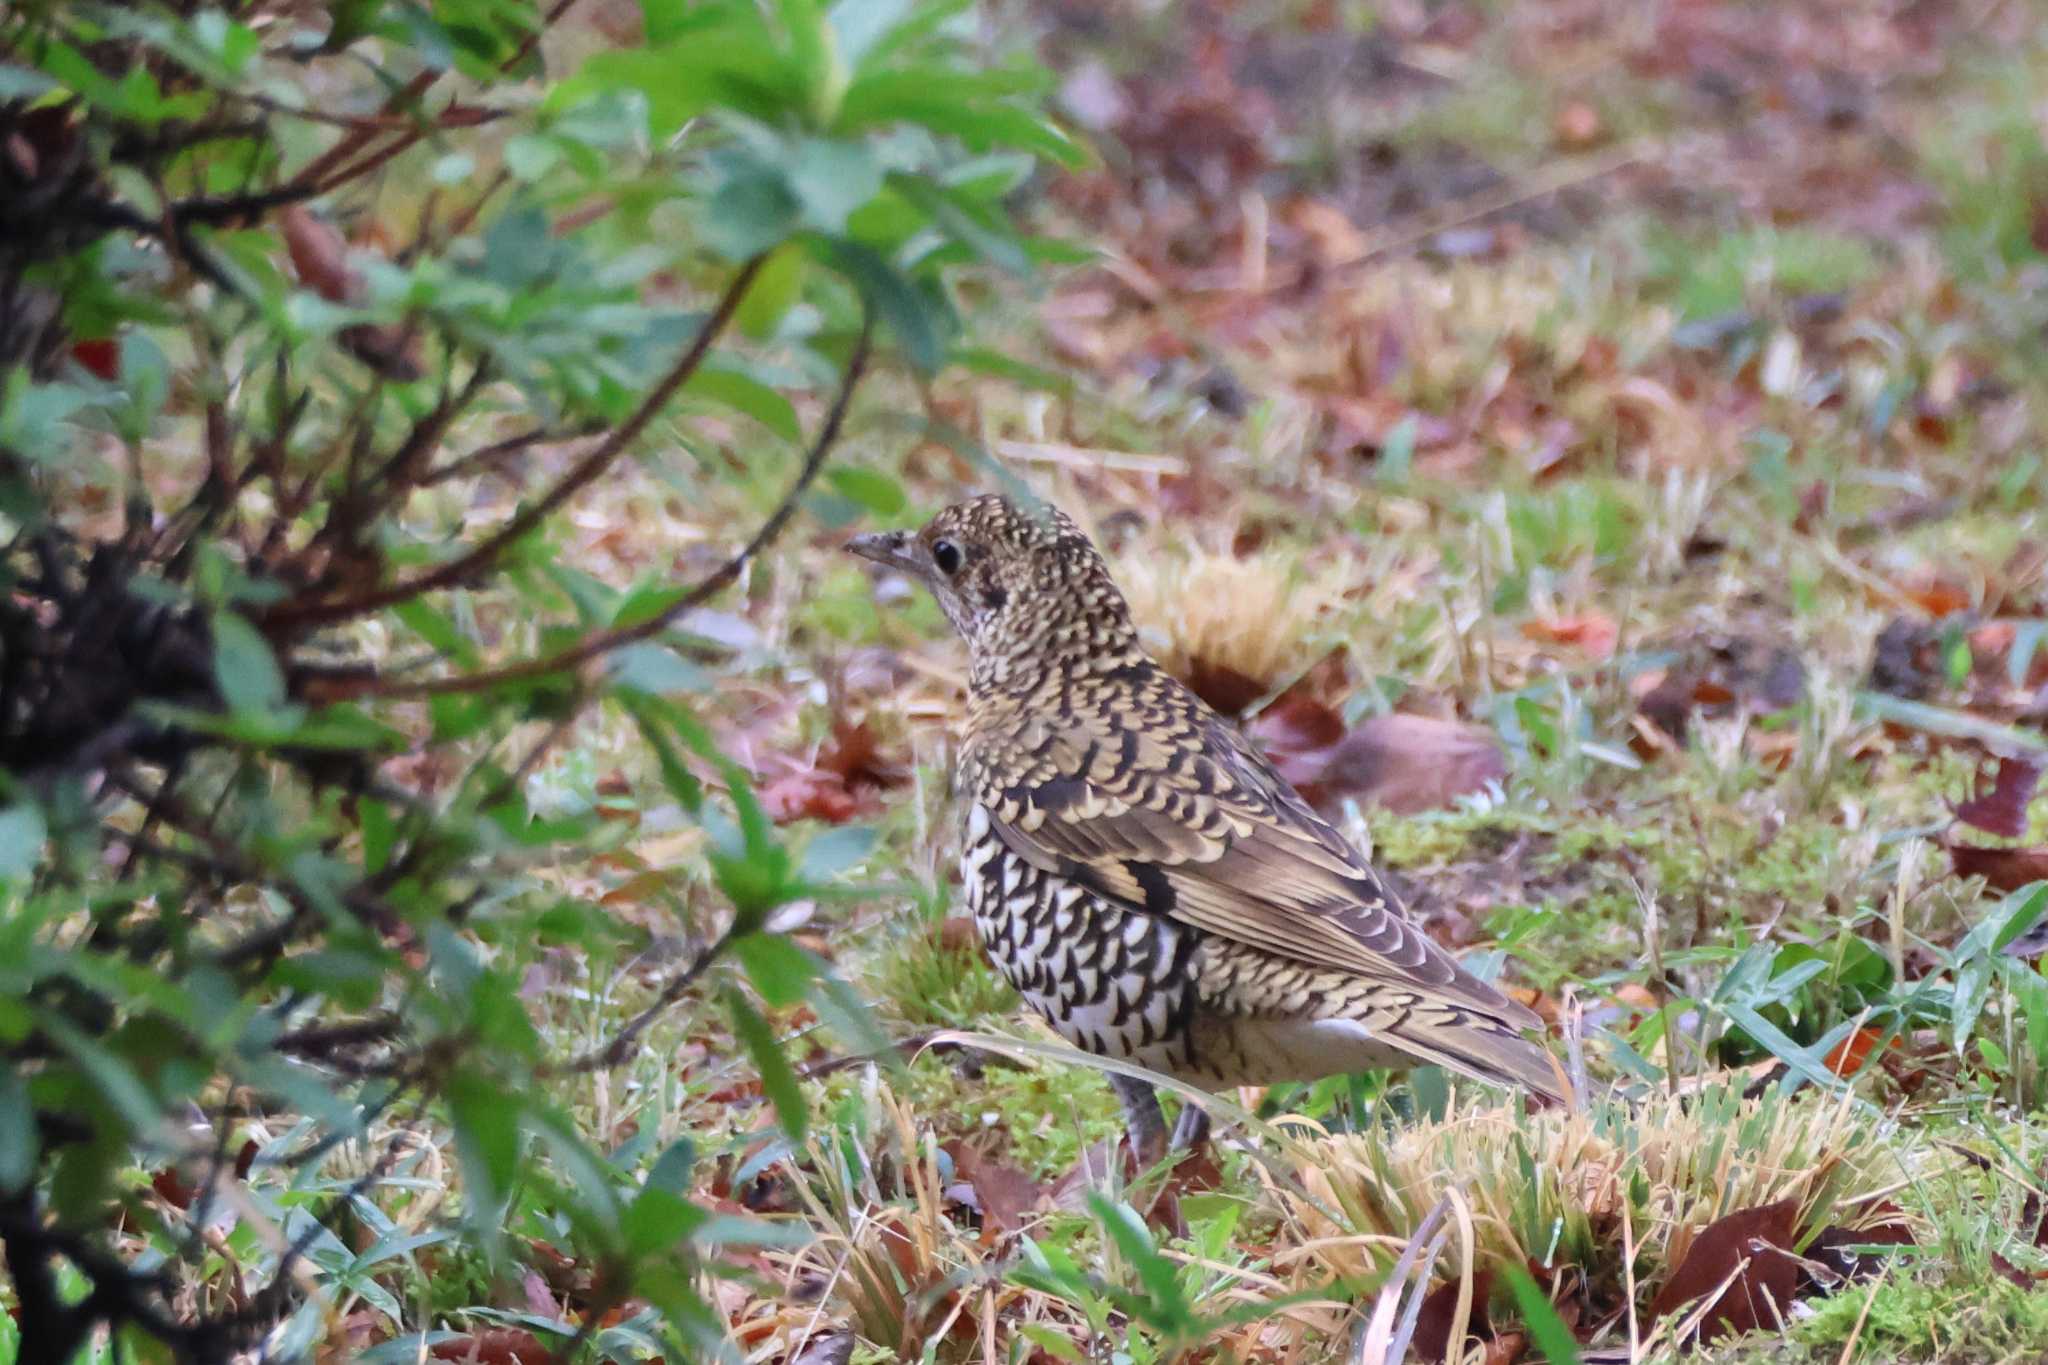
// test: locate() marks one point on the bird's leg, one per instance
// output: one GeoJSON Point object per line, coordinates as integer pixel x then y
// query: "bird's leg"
{"type": "Point", "coordinates": [1141, 1114]}
{"type": "Point", "coordinates": [1191, 1129]}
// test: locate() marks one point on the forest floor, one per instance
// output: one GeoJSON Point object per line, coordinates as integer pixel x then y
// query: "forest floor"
{"type": "Point", "coordinates": [1600, 448]}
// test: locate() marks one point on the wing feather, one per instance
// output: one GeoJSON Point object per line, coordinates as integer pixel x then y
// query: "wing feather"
{"type": "Point", "coordinates": [1212, 836]}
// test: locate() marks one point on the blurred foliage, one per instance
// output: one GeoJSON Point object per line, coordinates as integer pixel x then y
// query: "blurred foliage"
{"type": "Point", "coordinates": [278, 282]}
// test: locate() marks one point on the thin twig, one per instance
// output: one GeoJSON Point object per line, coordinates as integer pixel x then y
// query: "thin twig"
{"type": "Point", "coordinates": [604, 641]}
{"type": "Point", "coordinates": [620, 1047]}
{"type": "Point", "coordinates": [478, 559]}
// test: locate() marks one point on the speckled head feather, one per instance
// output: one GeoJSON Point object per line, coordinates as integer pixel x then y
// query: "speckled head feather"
{"type": "Point", "coordinates": [1023, 586]}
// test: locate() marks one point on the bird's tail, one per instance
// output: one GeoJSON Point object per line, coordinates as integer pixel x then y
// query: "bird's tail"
{"type": "Point", "coordinates": [1486, 1045]}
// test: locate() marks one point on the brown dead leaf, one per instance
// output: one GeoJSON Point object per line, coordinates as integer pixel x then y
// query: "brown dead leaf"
{"type": "Point", "coordinates": [1432, 1338]}
{"type": "Point", "coordinates": [1937, 596]}
{"type": "Point", "coordinates": [494, 1346]}
{"type": "Point", "coordinates": [1751, 1245]}
{"type": "Point", "coordinates": [1407, 764]}
{"type": "Point", "coordinates": [1831, 1247]}
{"type": "Point", "coordinates": [319, 255]}
{"type": "Point", "coordinates": [1403, 763]}
{"type": "Point", "coordinates": [2003, 809]}
{"type": "Point", "coordinates": [1006, 1197]}
{"type": "Point", "coordinates": [2003, 869]}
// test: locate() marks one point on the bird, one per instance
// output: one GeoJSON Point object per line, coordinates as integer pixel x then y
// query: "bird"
{"type": "Point", "coordinates": [1143, 875]}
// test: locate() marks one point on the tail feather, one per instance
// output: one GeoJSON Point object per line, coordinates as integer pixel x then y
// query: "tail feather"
{"type": "Point", "coordinates": [1482, 1046]}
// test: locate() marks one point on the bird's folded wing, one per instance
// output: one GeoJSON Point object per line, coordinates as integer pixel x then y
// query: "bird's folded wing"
{"type": "Point", "coordinates": [1235, 853]}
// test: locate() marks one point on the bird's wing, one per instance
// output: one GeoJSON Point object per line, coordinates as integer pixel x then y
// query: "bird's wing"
{"type": "Point", "coordinates": [1194, 824]}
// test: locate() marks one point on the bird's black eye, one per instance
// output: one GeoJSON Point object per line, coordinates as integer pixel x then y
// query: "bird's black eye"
{"type": "Point", "coordinates": [946, 555]}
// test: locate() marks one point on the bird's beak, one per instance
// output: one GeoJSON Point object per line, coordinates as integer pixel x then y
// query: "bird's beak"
{"type": "Point", "coordinates": [896, 549]}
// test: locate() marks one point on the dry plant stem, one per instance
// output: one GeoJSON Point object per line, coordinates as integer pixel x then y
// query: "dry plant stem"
{"type": "Point", "coordinates": [480, 558]}
{"type": "Point", "coordinates": [604, 641]}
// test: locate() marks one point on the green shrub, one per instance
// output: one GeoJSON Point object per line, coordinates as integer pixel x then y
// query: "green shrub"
{"type": "Point", "coordinates": [270, 691]}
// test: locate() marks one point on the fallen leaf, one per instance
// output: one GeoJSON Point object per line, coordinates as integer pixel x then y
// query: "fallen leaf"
{"type": "Point", "coordinates": [1938, 597]}
{"type": "Point", "coordinates": [1847, 1057]}
{"type": "Point", "coordinates": [2003, 809]}
{"type": "Point", "coordinates": [1593, 634]}
{"type": "Point", "coordinates": [2003, 869]}
{"type": "Point", "coordinates": [1408, 764]}
{"type": "Point", "coordinates": [826, 1348]}
{"type": "Point", "coordinates": [494, 1346]}
{"type": "Point", "coordinates": [1005, 1195]}
{"type": "Point", "coordinates": [809, 796]}
{"type": "Point", "coordinates": [1432, 1338]}
{"type": "Point", "coordinates": [1830, 1247]}
{"type": "Point", "coordinates": [2025, 1279]}
{"type": "Point", "coordinates": [1751, 1245]}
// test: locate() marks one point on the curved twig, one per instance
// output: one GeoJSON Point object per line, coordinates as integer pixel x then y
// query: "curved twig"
{"type": "Point", "coordinates": [479, 558]}
{"type": "Point", "coordinates": [604, 641]}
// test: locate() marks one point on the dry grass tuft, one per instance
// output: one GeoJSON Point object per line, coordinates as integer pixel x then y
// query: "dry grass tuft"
{"type": "Point", "coordinates": [1206, 614]}
{"type": "Point", "coordinates": [1571, 1190]}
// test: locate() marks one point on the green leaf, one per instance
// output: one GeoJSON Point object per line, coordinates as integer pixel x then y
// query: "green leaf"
{"type": "Point", "coordinates": [778, 1080]}
{"type": "Point", "coordinates": [245, 667]}
{"type": "Point", "coordinates": [22, 833]}
{"type": "Point", "coordinates": [18, 1140]}
{"type": "Point", "coordinates": [777, 286]}
{"type": "Point", "coordinates": [752, 208]}
{"type": "Point", "coordinates": [487, 1119]}
{"type": "Point", "coordinates": [832, 852]}
{"type": "Point", "coordinates": [831, 179]}
{"type": "Point", "coordinates": [742, 392]}
{"type": "Point", "coordinates": [907, 311]}
{"type": "Point", "coordinates": [437, 629]}
{"type": "Point", "coordinates": [972, 228]}
{"type": "Point", "coordinates": [879, 493]}
{"type": "Point", "coordinates": [814, 54]}
{"type": "Point", "coordinates": [657, 669]}
{"type": "Point", "coordinates": [658, 1220]}
{"type": "Point", "coordinates": [1552, 1337]}
{"type": "Point", "coordinates": [780, 970]}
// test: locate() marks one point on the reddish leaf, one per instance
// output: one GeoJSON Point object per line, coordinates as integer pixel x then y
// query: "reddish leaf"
{"type": "Point", "coordinates": [495, 1346]}
{"type": "Point", "coordinates": [809, 796]}
{"type": "Point", "coordinates": [100, 355]}
{"type": "Point", "coordinates": [1005, 1195]}
{"type": "Point", "coordinates": [1593, 634]}
{"type": "Point", "coordinates": [1400, 762]}
{"type": "Point", "coordinates": [1938, 597]}
{"type": "Point", "coordinates": [855, 756]}
{"type": "Point", "coordinates": [2025, 1279]}
{"type": "Point", "coordinates": [1757, 1240]}
{"type": "Point", "coordinates": [2003, 809]}
{"type": "Point", "coordinates": [319, 255]}
{"type": "Point", "coordinates": [1432, 1339]}
{"type": "Point", "coordinates": [2004, 869]}
{"type": "Point", "coordinates": [1847, 1057]}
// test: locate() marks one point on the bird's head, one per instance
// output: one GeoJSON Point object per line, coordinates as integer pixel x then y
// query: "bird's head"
{"type": "Point", "coordinates": [1021, 585]}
